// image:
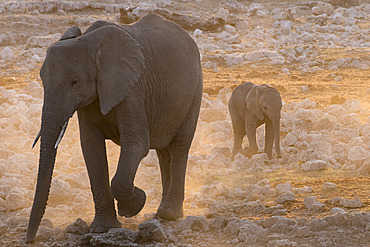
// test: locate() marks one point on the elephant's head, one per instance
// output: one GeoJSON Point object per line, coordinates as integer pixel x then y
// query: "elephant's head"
{"type": "Point", "coordinates": [103, 64]}
{"type": "Point", "coordinates": [264, 102]}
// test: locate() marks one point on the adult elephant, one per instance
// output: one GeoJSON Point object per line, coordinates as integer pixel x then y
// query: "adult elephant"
{"type": "Point", "coordinates": [251, 106]}
{"type": "Point", "coordinates": [138, 85]}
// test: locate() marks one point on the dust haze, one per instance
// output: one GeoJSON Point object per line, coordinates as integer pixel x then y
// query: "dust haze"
{"type": "Point", "coordinates": [316, 54]}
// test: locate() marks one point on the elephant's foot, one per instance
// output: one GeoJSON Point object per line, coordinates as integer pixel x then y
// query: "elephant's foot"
{"type": "Point", "coordinates": [249, 152]}
{"type": "Point", "coordinates": [269, 154]}
{"type": "Point", "coordinates": [131, 205]}
{"type": "Point", "coordinates": [170, 212]}
{"type": "Point", "coordinates": [103, 223]}
{"type": "Point", "coordinates": [235, 151]}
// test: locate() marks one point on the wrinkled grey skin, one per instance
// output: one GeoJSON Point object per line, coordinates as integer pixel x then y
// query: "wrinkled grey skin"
{"type": "Point", "coordinates": [251, 106]}
{"type": "Point", "coordinates": [138, 85]}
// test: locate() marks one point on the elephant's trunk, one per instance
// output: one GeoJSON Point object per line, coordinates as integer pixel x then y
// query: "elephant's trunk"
{"type": "Point", "coordinates": [276, 126]}
{"type": "Point", "coordinates": [50, 128]}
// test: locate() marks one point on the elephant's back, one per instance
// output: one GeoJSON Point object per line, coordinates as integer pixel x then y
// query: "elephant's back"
{"type": "Point", "coordinates": [237, 99]}
{"type": "Point", "coordinates": [156, 26]}
{"type": "Point", "coordinates": [173, 79]}
{"type": "Point", "coordinates": [166, 41]}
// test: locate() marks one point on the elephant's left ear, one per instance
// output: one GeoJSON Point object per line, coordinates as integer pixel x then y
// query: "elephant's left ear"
{"type": "Point", "coordinates": [120, 64]}
{"type": "Point", "coordinates": [72, 32]}
{"type": "Point", "coordinates": [252, 101]}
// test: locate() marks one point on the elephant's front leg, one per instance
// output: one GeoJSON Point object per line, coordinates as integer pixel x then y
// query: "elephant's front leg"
{"type": "Point", "coordinates": [130, 198]}
{"type": "Point", "coordinates": [94, 151]}
{"type": "Point", "coordinates": [269, 138]}
{"type": "Point", "coordinates": [250, 129]}
{"type": "Point", "coordinates": [238, 131]}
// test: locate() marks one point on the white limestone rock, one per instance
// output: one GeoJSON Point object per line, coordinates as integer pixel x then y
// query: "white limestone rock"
{"type": "Point", "coordinates": [17, 199]}
{"type": "Point", "coordinates": [314, 165]}
{"type": "Point", "coordinates": [351, 203]}
{"type": "Point", "coordinates": [349, 119]}
{"type": "Point", "coordinates": [352, 106]}
{"type": "Point", "coordinates": [341, 148]}
{"type": "Point", "coordinates": [337, 18]}
{"type": "Point", "coordinates": [242, 26]}
{"type": "Point", "coordinates": [286, 27]}
{"type": "Point", "coordinates": [365, 167]}
{"type": "Point", "coordinates": [281, 243]}
{"type": "Point", "coordinates": [337, 210]}
{"type": "Point", "coordinates": [303, 190]}
{"type": "Point", "coordinates": [192, 223]}
{"type": "Point", "coordinates": [245, 230]}
{"type": "Point", "coordinates": [212, 115]}
{"type": "Point", "coordinates": [233, 6]}
{"type": "Point", "coordinates": [285, 197]}
{"type": "Point", "coordinates": [318, 225]}
{"type": "Point", "coordinates": [228, 37]}
{"type": "Point", "coordinates": [214, 191]}
{"type": "Point", "coordinates": [250, 232]}
{"type": "Point", "coordinates": [34, 89]}
{"type": "Point", "coordinates": [197, 33]}
{"type": "Point", "coordinates": [357, 154]}
{"type": "Point", "coordinates": [291, 139]}
{"type": "Point", "coordinates": [43, 41]}
{"type": "Point", "coordinates": [222, 13]}
{"type": "Point", "coordinates": [283, 188]}
{"type": "Point", "coordinates": [321, 146]}
{"type": "Point", "coordinates": [273, 56]}
{"type": "Point", "coordinates": [335, 110]}
{"type": "Point", "coordinates": [258, 9]}
{"type": "Point", "coordinates": [233, 59]}
{"type": "Point", "coordinates": [7, 55]}
{"type": "Point", "coordinates": [306, 115]}
{"type": "Point", "coordinates": [3, 228]}
{"type": "Point", "coordinates": [323, 8]}
{"type": "Point", "coordinates": [60, 192]}
{"type": "Point", "coordinates": [338, 78]}
{"type": "Point", "coordinates": [150, 231]}
{"type": "Point", "coordinates": [303, 232]}
{"type": "Point", "coordinates": [329, 187]}
{"type": "Point", "coordinates": [309, 201]}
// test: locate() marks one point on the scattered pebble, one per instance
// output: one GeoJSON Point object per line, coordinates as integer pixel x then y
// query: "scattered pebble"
{"type": "Point", "coordinates": [329, 187]}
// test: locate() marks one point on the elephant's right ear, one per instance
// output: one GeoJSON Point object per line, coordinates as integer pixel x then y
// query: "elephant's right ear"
{"type": "Point", "coordinates": [72, 32]}
{"type": "Point", "coordinates": [252, 101]}
{"type": "Point", "coordinates": [120, 64]}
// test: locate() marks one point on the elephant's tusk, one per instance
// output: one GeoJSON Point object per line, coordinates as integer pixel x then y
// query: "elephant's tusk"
{"type": "Point", "coordinates": [36, 139]}
{"type": "Point", "coordinates": [62, 131]}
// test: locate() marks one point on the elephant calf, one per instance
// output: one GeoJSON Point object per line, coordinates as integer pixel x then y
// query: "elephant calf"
{"type": "Point", "coordinates": [251, 106]}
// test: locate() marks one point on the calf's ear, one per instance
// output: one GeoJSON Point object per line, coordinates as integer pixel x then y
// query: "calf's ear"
{"type": "Point", "coordinates": [252, 101]}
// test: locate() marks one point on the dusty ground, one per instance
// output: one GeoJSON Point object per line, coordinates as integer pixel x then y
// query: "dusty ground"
{"type": "Point", "coordinates": [351, 184]}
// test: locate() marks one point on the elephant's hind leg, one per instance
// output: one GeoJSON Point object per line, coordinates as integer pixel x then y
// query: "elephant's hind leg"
{"type": "Point", "coordinates": [164, 163]}
{"type": "Point", "coordinates": [171, 206]}
{"type": "Point", "coordinates": [173, 179]}
{"type": "Point", "coordinates": [239, 133]}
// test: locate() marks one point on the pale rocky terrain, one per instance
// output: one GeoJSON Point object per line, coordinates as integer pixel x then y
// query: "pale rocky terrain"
{"type": "Point", "coordinates": [317, 54]}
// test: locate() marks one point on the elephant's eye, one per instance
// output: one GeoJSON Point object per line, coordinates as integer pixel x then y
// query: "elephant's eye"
{"type": "Point", "coordinates": [74, 82]}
